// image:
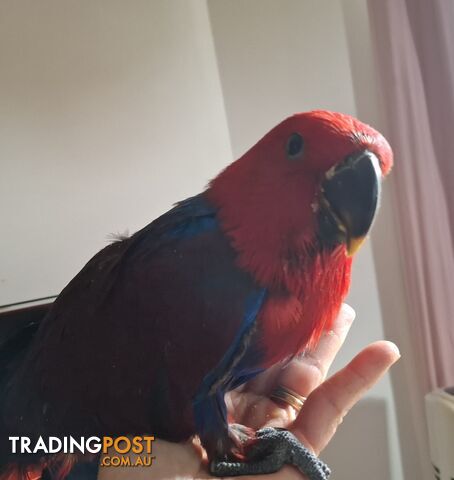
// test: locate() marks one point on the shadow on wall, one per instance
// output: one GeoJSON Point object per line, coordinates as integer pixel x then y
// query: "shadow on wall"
{"type": "Point", "coordinates": [352, 443]}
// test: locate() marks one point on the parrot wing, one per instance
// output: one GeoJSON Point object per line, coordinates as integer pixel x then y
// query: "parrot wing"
{"type": "Point", "coordinates": [148, 325]}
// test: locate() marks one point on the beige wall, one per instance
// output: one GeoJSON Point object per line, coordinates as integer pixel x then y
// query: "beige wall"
{"type": "Point", "coordinates": [112, 110]}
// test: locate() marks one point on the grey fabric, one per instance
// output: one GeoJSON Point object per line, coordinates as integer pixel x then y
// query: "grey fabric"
{"type": "Point", "coordinates": [275, 448]}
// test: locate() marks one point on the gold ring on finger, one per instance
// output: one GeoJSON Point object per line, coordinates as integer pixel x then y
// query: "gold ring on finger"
{"type": "Point", "coordinates": [284, 394]}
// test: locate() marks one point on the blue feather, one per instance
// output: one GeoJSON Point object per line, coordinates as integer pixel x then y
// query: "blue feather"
{"type": "Point", "coordinates": [239, 364]}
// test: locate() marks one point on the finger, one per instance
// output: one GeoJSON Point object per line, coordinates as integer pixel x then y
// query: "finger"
{"type": "Point", "coordinates": [303, 374]}
{"type": "Point", "coordinates": [331, 401]}
{"type": "Point", "coordinates": [307, 372]}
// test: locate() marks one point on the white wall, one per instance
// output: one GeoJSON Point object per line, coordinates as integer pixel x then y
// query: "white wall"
{"type": "Point", "coordinates": [110, 111]}
{"type": "Point", "coordinates": [276, 58]}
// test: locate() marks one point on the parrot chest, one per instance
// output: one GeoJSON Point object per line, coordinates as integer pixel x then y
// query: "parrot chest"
{"type": "Point", "coordinates": [293, 319]}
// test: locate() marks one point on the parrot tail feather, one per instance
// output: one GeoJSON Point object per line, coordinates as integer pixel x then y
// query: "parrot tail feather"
{"type": "Point", "coordinates": [17, 330]}
{"type": "Point", "coordinates": [22, 472]}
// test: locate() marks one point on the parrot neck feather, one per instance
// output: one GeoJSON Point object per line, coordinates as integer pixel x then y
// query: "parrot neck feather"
{"type": "Point", "coordinates": [293, 319]}
{"type": "Point", "coordinates": [270, 224]}
{"type": "Point", "coordinates": [278, 246]}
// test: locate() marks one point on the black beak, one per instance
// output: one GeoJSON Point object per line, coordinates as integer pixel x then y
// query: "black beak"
{"type": "Point", "coordinates": [349, 199]}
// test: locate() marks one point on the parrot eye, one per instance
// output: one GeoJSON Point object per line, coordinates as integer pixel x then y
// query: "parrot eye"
{"type": "Point", "coordinates": [295, 146]}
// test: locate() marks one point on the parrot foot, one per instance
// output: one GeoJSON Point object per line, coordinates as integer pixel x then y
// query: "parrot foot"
{"type": "Point", "coordinates": [241, 435]}
{"type": "Point", "coordinates": [273, 449]}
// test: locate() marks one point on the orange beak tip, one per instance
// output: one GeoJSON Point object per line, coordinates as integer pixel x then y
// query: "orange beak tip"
{"type": "Point", "coordinates": [354, 244]}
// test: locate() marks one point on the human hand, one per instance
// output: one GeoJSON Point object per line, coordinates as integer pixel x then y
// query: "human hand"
{"type": "Point", "coordinates": [328, 401]}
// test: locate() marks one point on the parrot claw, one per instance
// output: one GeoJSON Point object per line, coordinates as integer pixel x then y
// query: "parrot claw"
{"type": "Point", "coordinates": [273, 449]}
{"type": "Point", "coordinates": [241, 435]}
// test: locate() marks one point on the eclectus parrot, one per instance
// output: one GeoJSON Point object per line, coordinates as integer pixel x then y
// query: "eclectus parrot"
{"type": "Point", "coordinates": [157, 327]}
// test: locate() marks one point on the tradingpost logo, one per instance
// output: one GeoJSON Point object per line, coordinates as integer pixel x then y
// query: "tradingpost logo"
{"type": "Point", "coordinates": [116, 451]}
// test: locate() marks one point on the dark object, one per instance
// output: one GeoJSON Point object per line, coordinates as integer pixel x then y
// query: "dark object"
{"type": "Point", "coordinates": [276, 448]}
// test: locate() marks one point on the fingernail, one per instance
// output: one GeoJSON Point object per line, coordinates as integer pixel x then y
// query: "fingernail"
{"type": "Point", "coordinates": [347, 313]}
{"type": "Point", "coordinates": [394, 348]}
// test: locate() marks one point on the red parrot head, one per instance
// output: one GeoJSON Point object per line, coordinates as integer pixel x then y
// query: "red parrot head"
{"type": "Point", "coordinates": [312, 184]}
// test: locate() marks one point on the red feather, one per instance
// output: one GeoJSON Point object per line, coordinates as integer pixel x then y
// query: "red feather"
{"type": "Point", "coordinates": [267, 205]}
